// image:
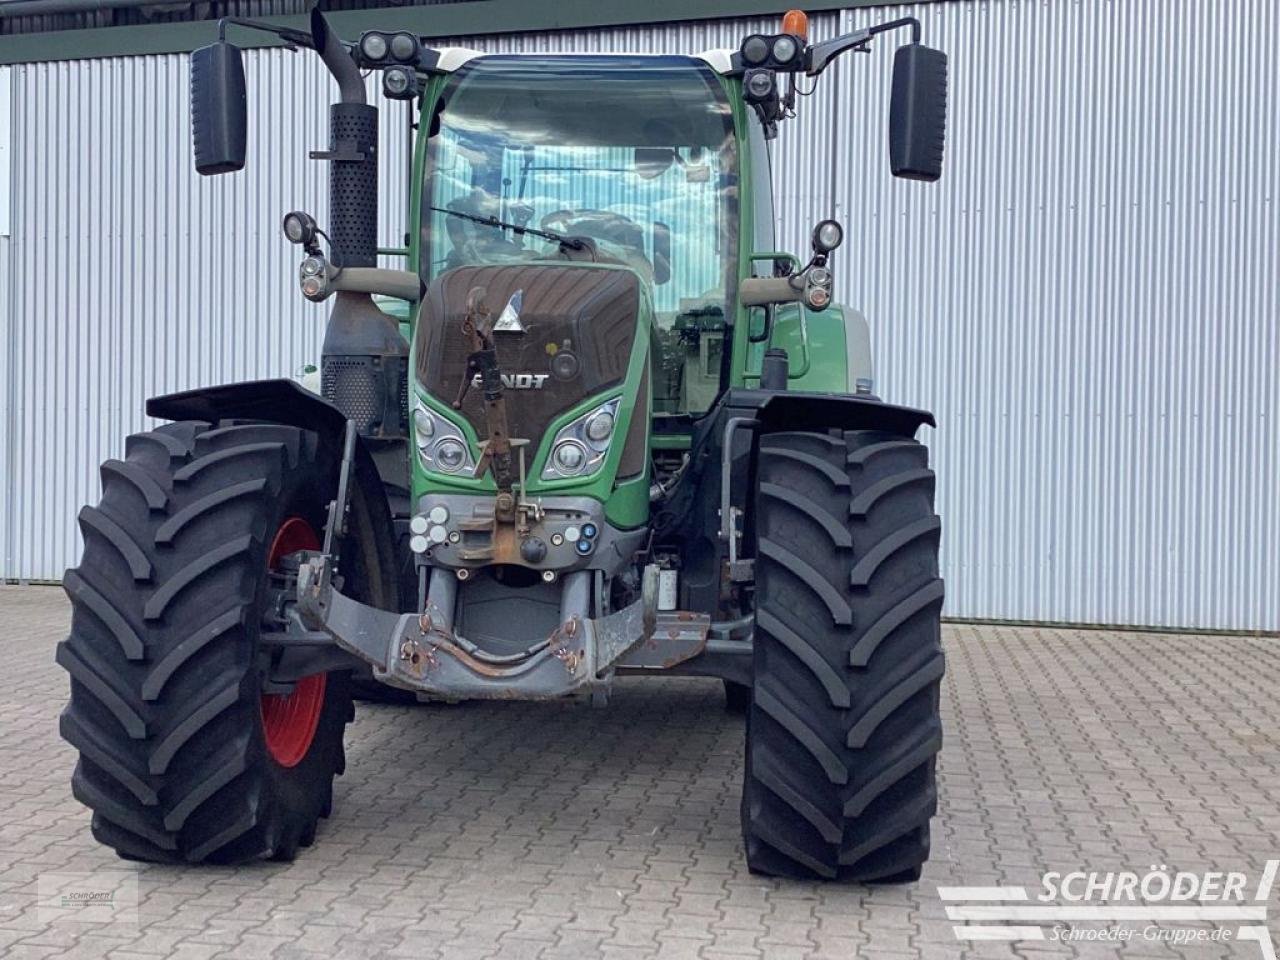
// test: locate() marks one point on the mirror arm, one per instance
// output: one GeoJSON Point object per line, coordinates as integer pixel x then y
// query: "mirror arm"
{"type": "Point", "coordinates": [292, 38]}
{"type": "Point", "coordinates": [818, 56]}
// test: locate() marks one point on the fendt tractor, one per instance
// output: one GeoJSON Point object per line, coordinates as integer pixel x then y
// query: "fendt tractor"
{"type": "Point", "coordinates": [598, 427]}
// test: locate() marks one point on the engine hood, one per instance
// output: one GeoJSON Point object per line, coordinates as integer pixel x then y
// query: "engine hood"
{"type": "Point", "coordinates": [567, 334]}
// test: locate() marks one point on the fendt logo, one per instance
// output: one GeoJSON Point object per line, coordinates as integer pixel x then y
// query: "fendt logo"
{"type": "Point", "coordinates": [1161, 906]}
{"type": "Point", "coordinates": [517, 381]}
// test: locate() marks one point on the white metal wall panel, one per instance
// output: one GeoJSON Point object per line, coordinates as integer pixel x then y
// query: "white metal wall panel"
{"type": "Point", "coordinates": [8, 403]}
{"type": "Point", "coordinates": [1087, 299]}
{"type": "Point", "coordinates": [134, 276]}
{"type": "Point", "coordinates": [1089, 303]}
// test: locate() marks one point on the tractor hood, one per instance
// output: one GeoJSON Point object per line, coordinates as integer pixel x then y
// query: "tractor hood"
{"type": "Point", "coordinates": [564, 333]}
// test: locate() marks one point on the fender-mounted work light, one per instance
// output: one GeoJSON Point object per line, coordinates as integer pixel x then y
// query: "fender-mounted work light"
{"type": "Point", "coordinates": [827, 235]}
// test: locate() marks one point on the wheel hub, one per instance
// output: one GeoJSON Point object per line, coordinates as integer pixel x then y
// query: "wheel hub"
{"type": "Point", "coordinates": [289, 722]}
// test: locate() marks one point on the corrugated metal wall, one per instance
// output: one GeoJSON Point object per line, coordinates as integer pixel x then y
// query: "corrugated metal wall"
{"type": "Point", "coordinates": [1087, 300]}
{"type": "Point", "coordinates": [180, 13]}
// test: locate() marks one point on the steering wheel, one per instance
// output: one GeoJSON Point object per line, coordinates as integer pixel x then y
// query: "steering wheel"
{"type": "Point", "coordinates": [604, 224]}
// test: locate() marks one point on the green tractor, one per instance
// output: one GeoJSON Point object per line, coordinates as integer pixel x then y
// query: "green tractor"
{"type": "Point", "coordinates": [598, 427]}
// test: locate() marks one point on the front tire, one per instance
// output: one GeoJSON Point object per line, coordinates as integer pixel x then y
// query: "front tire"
{"type": "Point", "coordinates": [182, 756]}
{"type": "Point", "coordinates": [844, 725]}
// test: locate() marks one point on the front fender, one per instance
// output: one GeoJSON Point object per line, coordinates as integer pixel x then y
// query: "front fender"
{"type": "Point", "coordinates": [795, 410]}
{"type": "Point", "coordinates": [277, 401]}
{"type": "Point", "coordinates": [287, 402]}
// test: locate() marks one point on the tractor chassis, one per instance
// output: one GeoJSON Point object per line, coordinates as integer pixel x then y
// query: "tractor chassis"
{"type": "Point", "coordinates": [422, 653]}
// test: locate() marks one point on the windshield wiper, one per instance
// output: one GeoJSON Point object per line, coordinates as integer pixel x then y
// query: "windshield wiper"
{"type": "Point", "coordinates": [573, 243]}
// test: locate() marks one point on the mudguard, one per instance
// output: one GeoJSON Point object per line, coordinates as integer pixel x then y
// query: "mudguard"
{"type": "Point", "coordinates": [287, 402]}
{"type": "Point", "coordinates": [795, 410]}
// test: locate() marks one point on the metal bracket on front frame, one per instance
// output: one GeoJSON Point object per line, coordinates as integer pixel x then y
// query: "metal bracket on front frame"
{"type": "Point", "coordinates": [740, 571]}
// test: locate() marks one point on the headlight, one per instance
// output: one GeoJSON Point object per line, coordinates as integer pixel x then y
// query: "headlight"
{"type": "Point", "coordinates": [441, 445]}
{"type": "Point", "coordinates": [569, 457]}
{"type": "Point", "coordinates": [600, 427]}
{"type": "Point", "coordinates": [450, 455]}
{"type": "Point", "coordinates": [424, 427]}
{"type": "Point", "coordinates": [580, 447]}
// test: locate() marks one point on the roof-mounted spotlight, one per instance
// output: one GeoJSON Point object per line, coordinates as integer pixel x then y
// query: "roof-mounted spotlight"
{"type": "Point", "coordinates": [399, 83]}
{"type": "Point", "coordinates": [783, 51]}
{"type": "Point", "coordinates": [373, 47]}
{"type": "Point", "coordinates": [755, 50]}
{"type": "Point", "coordinates": [759, 86]}
{"type": "Point", "coordinates": [404, 47]}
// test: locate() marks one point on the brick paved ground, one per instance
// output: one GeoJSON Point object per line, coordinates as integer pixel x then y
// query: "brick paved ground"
{"type": "Point", "coordinates": [518, 830]}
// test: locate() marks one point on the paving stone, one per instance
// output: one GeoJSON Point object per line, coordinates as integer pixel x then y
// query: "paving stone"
{"type": "Point", "coordinates": [523, 831]}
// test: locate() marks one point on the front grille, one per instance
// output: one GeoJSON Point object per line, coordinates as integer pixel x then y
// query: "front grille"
{"type": "Point", "coordinates": [370, 390]}
{"type": "Point", "coordinates": [588, 311]}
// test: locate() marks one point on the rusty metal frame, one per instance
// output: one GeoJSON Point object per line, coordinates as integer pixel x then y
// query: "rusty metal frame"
{"type": "Point", "coordinates": [422, 653]}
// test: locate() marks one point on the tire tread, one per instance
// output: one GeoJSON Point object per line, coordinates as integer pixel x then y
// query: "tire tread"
{"type": "Point", "coordinates": [844, 727]}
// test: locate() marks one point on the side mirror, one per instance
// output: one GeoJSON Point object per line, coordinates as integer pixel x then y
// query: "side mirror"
{"type": "Point", "coordinates": [918, 112]}
{"type": "Point", "coordinates": [661, 253]}
{"type": "Point", "coordinates": [219, 113]}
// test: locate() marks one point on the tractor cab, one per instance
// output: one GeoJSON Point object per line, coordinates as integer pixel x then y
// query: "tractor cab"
{"type": "Point", "coordinates": [628, 161]}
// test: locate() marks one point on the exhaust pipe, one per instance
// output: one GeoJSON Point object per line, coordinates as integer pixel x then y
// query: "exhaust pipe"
{"type": "Point", "coordinates": [364, 362]}
{"type": "Point", "coordinates": [337, 58]}
{"type": "Point", "coordinates": [352, 155]}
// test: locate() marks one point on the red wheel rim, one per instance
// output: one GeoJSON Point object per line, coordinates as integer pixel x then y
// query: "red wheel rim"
{"type": "Point", "coordinates": [289, 722]}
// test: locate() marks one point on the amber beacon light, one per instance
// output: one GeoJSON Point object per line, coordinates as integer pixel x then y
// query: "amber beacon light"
{"type": "Point", "coordinates": [796, 23]}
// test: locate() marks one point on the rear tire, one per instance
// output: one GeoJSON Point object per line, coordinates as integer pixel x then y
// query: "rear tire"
{"type": "Point", "coordinates": [844, 726]}
{"type": "Point", "coordinates": [181, 756]}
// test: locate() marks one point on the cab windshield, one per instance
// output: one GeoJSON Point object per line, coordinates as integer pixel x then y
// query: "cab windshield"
{"type": "Point", "coordinates": [635, 155]}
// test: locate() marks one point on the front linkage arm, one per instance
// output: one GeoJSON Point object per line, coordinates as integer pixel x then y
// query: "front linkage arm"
{"type": "Point", "coordinates": [477, 327]}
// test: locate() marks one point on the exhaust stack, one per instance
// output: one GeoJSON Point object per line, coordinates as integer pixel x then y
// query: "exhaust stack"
{"type": "Point", "coordinates": [364, 363]}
